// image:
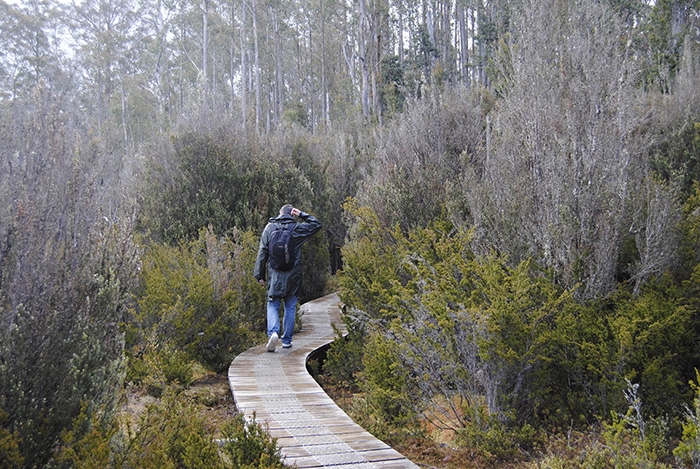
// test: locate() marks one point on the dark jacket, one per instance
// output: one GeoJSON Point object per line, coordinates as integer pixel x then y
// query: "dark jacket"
{"type": "Point", "coordinates": [281, 284]}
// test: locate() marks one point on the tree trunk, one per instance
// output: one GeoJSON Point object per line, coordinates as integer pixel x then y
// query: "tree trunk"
{"type": "Point", "coordinates": [446, 7]}
{"type": "Point", "coordinates": [205, 50]}
{"type": "Point", "coordinates": [232, 57]}
{"type": "Point", "coordinates": [244, 67]}
{"type": "Point", "coordinates": [324, 80]}
{"type": "Point", "coordinates": [256, 59]}
{"type": "Point", "coordinates": [278, 98]}
{"type": "Point", "coordinates": [463, 43]}
{"type": "Point", "coordinates": [362, 38]}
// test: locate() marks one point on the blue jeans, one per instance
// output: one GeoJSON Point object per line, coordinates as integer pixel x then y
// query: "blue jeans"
{"type": "Point", "coordinates": [273, 317]}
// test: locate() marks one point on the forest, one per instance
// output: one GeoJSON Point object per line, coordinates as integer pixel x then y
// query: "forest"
{"type": "Point", "coordinates": [510, 195]}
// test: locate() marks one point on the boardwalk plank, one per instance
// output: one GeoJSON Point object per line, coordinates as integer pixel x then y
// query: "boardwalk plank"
{"type": "Point", "coordinates": [311, 430]}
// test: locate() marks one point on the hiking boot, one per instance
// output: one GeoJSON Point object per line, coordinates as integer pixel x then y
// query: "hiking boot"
{"type": "Point", "coordinates": [272, 342]}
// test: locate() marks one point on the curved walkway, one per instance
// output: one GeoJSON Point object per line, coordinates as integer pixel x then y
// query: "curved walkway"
{"type": "Point", "coordinates": [311, 430]}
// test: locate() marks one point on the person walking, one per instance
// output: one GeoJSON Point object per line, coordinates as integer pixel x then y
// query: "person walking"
{"type": "Point", "coordinates": [279, 265]}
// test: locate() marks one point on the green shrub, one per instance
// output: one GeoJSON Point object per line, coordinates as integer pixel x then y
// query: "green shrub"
{"type": "Point", "coordinates": [155, 368]}
{"type": "Point", "coordinates": [368, 281]}
{"type": "Point", "coordinates": [176, 366]}
{"type": "Point", "coordinates": [688, 450]}
{"type": "Point", "coordinates": [170, 433]}
{"type": "Point", "coordinates": [655, 337]}
{"type": "Point", "coordinates": [202, 298]}
{"type": "Point", "coordinates": [364, 414]}
{"type": "Point", "coordinates": [552, 462]}
{"type": "Point", "coordinates": [87, 444]}
{"type": "Point", "coordinates": [386, 384]}
{"type": "Point", "coordinates": [137, 369]}
{"type": "Point", "coordinates": [464, 326]}
{"type": "Point", "coordinates": [243, 187]}
{"type": "Point", "coordinates": [593, 347]}
{"type": "Point", "coordinates": [630, 440]}
{"type": "Point", "coordinates": [249, 446]}
{"type": "Point", "coordinates": [690, 245]}
{"type": "Point", "coordinates": [676, 156]}
{"type": "Point", "coordinates": [436, 325]}
{"type": "Point", "coordinates": [10, 455]}
{"type": "Point", "coordinates": [344, 356]}
{"type": "Point", "coordinates": [497, 441]}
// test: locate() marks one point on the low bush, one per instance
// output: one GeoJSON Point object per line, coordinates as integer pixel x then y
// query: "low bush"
{"type": "Point", "coordinates": [344, 357]}
{"type": "Point", "coordinates": [441, 332]}
{"type": "Point", "coordinates": [10, 455]}
{"type": "Point", "coordinates": [248, 446]}
{"type": "Point", "coordinates": [201, 298]}
{"type": "Point", "coordinates": [495, 440]}
{"type": "Point", "coordinates": [688, 450]}
{"type": "Point", "coordinates": [170, 433]}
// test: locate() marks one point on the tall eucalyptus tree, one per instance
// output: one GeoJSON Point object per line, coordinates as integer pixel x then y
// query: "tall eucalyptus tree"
{"type": "Point", "coordinates": [156, 60]}
{"type": "Point", "coordinates": [103, 33]}
{"type": "Point", "coordinates": [30, 46]}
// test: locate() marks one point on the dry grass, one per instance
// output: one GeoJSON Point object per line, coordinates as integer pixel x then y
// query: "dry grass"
{"type": "Point", "coordinates": [210, 393]}
{"type": "Point", "coordinates": [215, 402]}
{"type": "Point", "coordinates": [435, 450]}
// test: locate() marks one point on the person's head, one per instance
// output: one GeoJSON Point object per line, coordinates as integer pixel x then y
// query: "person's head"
{"type": "Point", "coordinates": [286, 209]}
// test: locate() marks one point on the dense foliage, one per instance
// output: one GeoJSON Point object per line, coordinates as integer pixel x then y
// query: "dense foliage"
{"type": "Point", "coordinates": [514, 186]}
{"type": "Point", "coordinates": [197, 298]}
{"type": "Point", "coordinates": [545, 277]}
{"type": "Point", "coordinates": [170, 434]}
{"type": "Point", "coordinates": [474, 345]}
{"type": "Point", "coordinates": [66, 272]}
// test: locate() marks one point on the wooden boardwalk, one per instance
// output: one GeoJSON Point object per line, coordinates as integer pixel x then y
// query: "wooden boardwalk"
{"type": "Point", "coordinates": [311, 430]}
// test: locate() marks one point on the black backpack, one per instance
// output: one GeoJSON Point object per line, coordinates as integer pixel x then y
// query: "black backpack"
{"type": "Point", "coordinates": [281, 247]}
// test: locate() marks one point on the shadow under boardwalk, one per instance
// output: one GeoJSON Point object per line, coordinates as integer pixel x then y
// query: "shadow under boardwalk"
{"type": "Point", "coordinates": [311, 430]}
